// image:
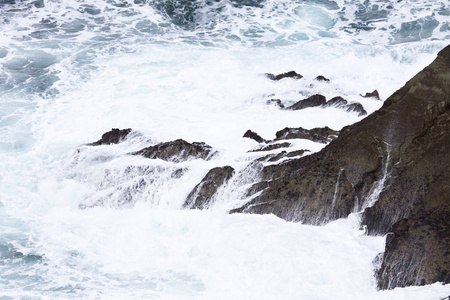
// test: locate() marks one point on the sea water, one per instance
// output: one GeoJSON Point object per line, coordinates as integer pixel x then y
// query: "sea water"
{"type": "Point", "coordinates": [83, 222]}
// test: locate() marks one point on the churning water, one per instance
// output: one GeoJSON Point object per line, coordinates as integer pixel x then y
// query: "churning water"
{"type": "Point", "coordinates": [81, 222]}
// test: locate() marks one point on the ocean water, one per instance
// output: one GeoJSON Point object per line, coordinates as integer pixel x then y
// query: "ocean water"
{"type": "Point", "coordinates": [82, 222]}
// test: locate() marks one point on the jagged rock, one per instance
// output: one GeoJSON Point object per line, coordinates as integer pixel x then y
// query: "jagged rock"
{"type": "Point", "coordinates": [336, 102]}
{"type": "Point", "coordinates": [177, 151]}
{"type": "Point", "coordinates": [254, 136]}
{"type": "Point", "coordinates": [417, 253]}
{"type": "Point", "coordinates": [374, 94]}
{"type": "Point", "coordinates": [114, 136]}
{"type": "Point", "coordinates": [290, 74]}
{"type": "Point", "coordinates": [356, 107]}
{"type": "Point", "coordinates": [272, 147]}
{"type": "Point", "coordinates": [200, 197]}
{"type": "Point", "coordinates": [322, 78]}
{"type": "Point", "coordinates": [398, 155]}
{"type": "Point", "coordinates": [313, 101]}
{"type": "Point", "coordinates": [276, 102]}
{"type": "Point", "coordinates": [283, 154]}
{"type": "Point", "coordinates": [340, 102]}
{"type": "Point", "coordinates": [321, 135]}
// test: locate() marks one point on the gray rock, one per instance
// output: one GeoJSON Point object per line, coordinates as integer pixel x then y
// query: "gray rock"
{"type": "Point", "coordinates": [114, 136]}
{"type": "Point", "coordinates": [201, 196]}
{"type": "Point", "coordinates": [398, 155]}
{"type": "Point", "coordinates": [177, 151]}
{"type": "Point", "coordinates": [313, 101]}
{"type": "Point", "coordinates": [290, 74]}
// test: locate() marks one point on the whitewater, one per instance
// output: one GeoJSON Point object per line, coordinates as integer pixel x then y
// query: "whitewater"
{"type": "Point", "coordinates": [83, 222]}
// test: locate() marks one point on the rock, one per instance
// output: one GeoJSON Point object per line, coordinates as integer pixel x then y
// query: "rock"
{"type": "Point", "coordinates": [374, 94]}
{"type": "Point", "coordinates": [313, 101]}
{"type": "Point", "coordinates": [394, 163]}
{"type": "Point", "coordinates": [321, 135]}
{"type": "Point", "coordinates": [254, 136]}
{"type": "Point", "coordinates": [200, 197]}
{"type": "Point", "coordinates": [114, 136]}
{"type": "Point", "coordinates": [290, 74]}
{"type": "Point", "coordinates": [340, 102]}
{"type": "Point", "coordinates": [336, 102]}
{"type": "Point", "coordinates": [272, 147]}
{"type": "Point", "coordinates": [356, 107]}
{"type": "Point", "coordinates": [276, 102]}
{"type": "Point", "coordinates": [322, 78]}
{"type": "Point", "coordinates": [417, 253]}
{"type": "Point", "coordinates": [177, 151]}
{"type": "Point", "coordinates": [283, 154]}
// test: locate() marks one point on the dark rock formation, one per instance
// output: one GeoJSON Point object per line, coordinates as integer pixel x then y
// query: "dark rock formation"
{"type": "Point", "coordinates": [177, 151]}
{"type": "Point", "coordinates": [356, 107]}
{"type": "Point", "coordinates": [322, 78]}
{"type": "Point", "coordinates": [114, 136]}
{"type": "Point", "coordinates": [283, 154]}
{"type": "Point", "coordinates": [374, 94]}
{"type": "Point", "coordinates": [202, 194]}
{"type": "Point", "coordinates": [276, 102]}
{"type": "Point", "coordinates": [398, 155]}
{"type": "Point", "coordinates": [254, 136]}
{"type": "Point", "coordinates": [417, 252]}
{"type": "Point", "coordinates": [321, 135]}
{"type": "Point", "coordinates": [340, 102]}
{"type": "Point", "coordinates": [336, 102]}
{"type": "Point", "coordinates": [272, 147]}
{"type": "Point", "coordinates": [313, 101]}
{"type": "Point", "coordinates": [290, 74]}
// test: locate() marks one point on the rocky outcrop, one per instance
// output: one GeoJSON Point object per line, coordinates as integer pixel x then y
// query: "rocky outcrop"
{"type": "Point", "coordinates": [290, 74]}
{"type": "Point", "coordinates": [254, 136]}
{"type": "Point", "coordinates": [373, 94]}
{"type": "Point", "coordinates": [322, 78]}
{"type": "Point", "coordinates": [114, 136]}
{"type": "Point", "coordinates": [177, 151]}
{"type": "Point", "coordinates": [320, 101]}
{"type": "Point", "coordinates": [398, 156]}
{"type": "Point", "coordinates": [321, 135]}
{"type": "Point", "coordinates": [202, 195]}
{"type": "Point", "coordinates": [313, 101]}
{"type": "Point", "coordinates": [356, 107]}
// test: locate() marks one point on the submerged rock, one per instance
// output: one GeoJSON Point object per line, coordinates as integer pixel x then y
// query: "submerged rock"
{"type": "Point", "coordinates": [276, 102]}
{"type": "Point", "coordinates": [177, 151]}
{"type": "Point", "coordinates": [395, 164]}
{"type": "Point", "coordinates": [290, 74]}
{"type": "Point", "coordinates": [114, 136]}
{"type": "Point", "coordinates": [200, 197]}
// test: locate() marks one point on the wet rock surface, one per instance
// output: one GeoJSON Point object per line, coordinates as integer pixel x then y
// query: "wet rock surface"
{"type": "Point", "coordinates": [373, 94]}
{"type": "Point", "coordinates": [321, 135]}
{"type": "Point", "coordinates": [290, 74]}
{"type": "Point", "coordinates": [114, 136]}
{"type": "Point", "coordinates": [313, 101]}
{"type": "Point", "coordinates": [254, 136]}
{"type": "Point", "coordinates": [398, 155]}
{"type": "Point", "coordinates": [177, 151]}
{"type": "Point", "coordinates": [202, 195]}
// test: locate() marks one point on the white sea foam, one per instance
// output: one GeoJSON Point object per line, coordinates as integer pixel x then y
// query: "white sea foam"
{"type": "Point", "coordinates": [63, 86]}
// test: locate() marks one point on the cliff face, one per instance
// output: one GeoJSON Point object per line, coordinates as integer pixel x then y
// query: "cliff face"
{"type": "Point", "coordinates": [395, 166]}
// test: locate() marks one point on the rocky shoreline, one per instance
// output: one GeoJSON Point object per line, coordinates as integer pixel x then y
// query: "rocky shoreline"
{"type": "Point", "coordinates": [393, 167]}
